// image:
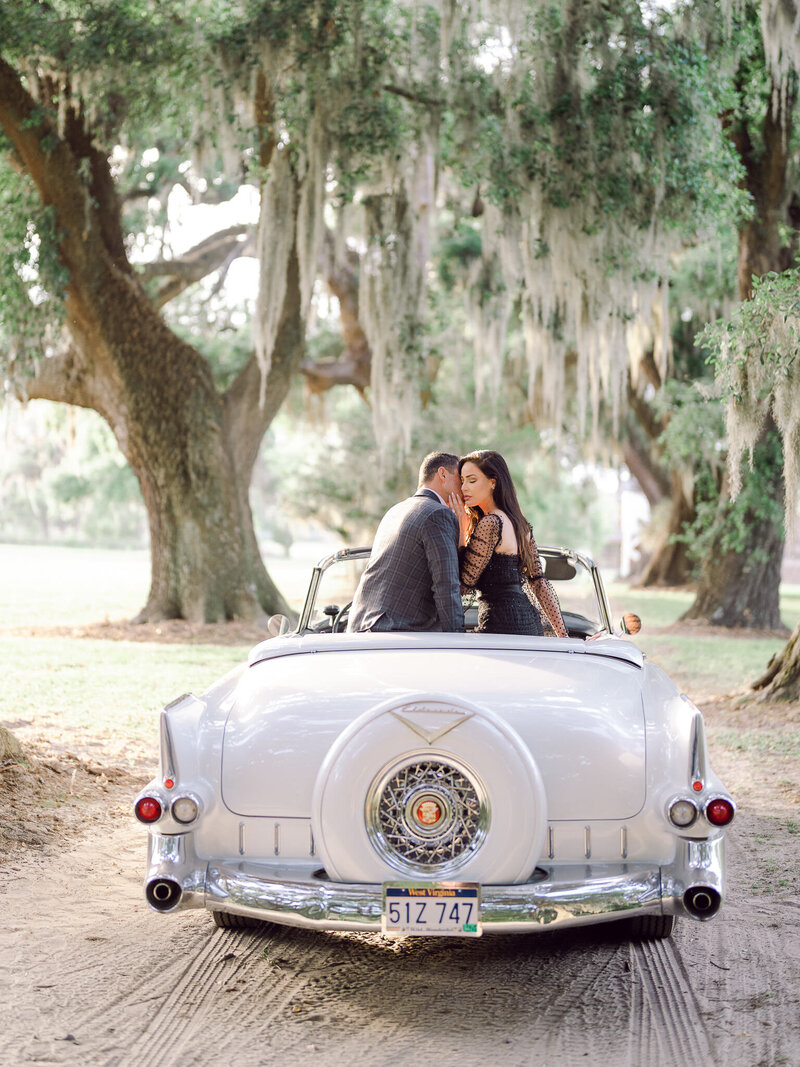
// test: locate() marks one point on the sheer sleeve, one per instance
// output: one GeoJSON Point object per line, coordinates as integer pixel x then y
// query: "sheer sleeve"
{"type": "Point", "coordinates": [542, 595]}
{"type": "Point", "coordinates": [478, 551]}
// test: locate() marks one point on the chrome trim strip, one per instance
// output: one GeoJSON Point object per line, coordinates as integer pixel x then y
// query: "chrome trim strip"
{"type": "Point", "coordinates": [599, 591]}
{"type": "Point", "coordinates": [168, 768]}
{"type": "Point", "coordinates": [568, 895]}
{"type": "Point", "coordinates": [623, 842]}
{"type": "Point", "coordinates": [551, 843]}
{"type": "Point", "coordinates": [241, 839]}
{"type": "Point", "coordinates": [698, 771]}
{"type": "Point", "coordinates": [312, 850]}
{"type": "Point", "coordinates": [277, 846]}
{"type": "Point", "coordinates": [587, 842]}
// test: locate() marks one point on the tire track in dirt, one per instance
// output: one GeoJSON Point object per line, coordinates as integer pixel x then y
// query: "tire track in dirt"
{"type": "Point", "coordinates": [666, 1025]}
{"type": "Point", "coordinates": [248, 979]}
{"type": "Point", "coordinates": [218, 965]}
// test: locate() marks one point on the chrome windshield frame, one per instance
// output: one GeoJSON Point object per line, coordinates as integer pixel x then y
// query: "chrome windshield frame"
{"type": "Point", "coordinates": [546, 552]}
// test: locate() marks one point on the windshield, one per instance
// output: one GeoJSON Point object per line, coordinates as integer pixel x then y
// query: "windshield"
{"type": "Point", "coordinates": [574, 578]}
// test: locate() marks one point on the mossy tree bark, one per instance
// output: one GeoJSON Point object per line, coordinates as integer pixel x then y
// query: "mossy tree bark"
{"type": "Point", "coordinates": [191, 448]}
{"type": "Point", "coordinates": [735, 588]}
{"type": "Point", "coordinates": [739, 587]}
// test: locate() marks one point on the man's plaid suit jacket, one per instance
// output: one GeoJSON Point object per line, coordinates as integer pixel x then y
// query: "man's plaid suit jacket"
{"type": "Point", "coordinates": [411, 581]}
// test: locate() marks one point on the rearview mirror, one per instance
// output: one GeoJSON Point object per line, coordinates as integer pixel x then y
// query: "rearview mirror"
{"type": "Point", "coordinates": [630, 623]}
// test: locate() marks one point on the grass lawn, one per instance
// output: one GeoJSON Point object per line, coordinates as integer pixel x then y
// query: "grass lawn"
{"type": "Point", "coordinates": [702, 661]}
{"type": "Point", "coordinates": [106, 695]}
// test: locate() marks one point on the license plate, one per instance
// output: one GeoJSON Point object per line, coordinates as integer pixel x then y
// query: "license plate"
{"type": "Point", "coordinates": [432, 909]}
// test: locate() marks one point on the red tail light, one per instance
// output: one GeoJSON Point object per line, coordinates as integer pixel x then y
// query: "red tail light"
{"type": "Point", "coordinates": [719, 811]}
{"type": "Point", "coordinates": [148, 809]}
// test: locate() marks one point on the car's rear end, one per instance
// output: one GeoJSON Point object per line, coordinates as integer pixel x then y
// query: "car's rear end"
{"type": "Point", "coordinates": [361, 782]}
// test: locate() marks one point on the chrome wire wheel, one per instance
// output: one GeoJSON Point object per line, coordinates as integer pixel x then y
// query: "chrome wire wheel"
{"type": "Point", "coordinates": [427, 815]}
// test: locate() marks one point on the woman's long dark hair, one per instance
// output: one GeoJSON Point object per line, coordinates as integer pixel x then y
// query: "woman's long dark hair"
{"type": "Point", "coordinates": [494, 466]}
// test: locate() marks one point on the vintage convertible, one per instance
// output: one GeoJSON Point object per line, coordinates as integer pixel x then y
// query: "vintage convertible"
{"type": "Point", "coordinates": [439, 784]}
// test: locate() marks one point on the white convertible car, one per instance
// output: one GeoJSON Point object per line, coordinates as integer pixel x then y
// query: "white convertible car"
{"type": "Point", "coordinates": [439, 784]}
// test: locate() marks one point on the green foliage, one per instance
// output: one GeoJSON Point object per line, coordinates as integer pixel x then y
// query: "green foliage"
{"type": "Point", "coordinates": [31, 278]}
{"type": "Point", "coordinates": [458, 248]}
{"type": "Point", "coordinates": [749, 335]}
{"type": "Point", "coordinates": [702, 287]}
{"type": "Point", "coordinates": [727, 524]}
{"type": "Point", "coordinates": [125, 57]}
{"type": "Point", "coordinates": [694, 438]}
{"type": "Point", "coordinates": [617, 114]}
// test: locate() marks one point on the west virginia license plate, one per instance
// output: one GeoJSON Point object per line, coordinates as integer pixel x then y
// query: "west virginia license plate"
{"type": "Point", "coordinates": [432, 909]}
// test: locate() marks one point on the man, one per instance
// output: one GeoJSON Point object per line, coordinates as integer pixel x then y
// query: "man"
{"type": "Point", "coordinates": [411, 581]}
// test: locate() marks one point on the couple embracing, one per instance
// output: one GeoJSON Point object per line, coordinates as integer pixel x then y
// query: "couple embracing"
{"type": "Point", "coordinates": [463, 530]}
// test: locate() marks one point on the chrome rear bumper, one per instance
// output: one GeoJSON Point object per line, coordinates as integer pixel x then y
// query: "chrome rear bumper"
{"type": "Point", "coordinates": [557, 896]}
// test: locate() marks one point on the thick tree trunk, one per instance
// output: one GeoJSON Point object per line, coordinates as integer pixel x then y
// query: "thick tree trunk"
{"type": "Point", "coordinates": [669, 564]}
{"type": "Point", "coordinates": [9, 746]}
{"type": "Point", "coordinates": [734, 589]}
{"type": "Point", "coordinates": [155, 391]}
{"type": "Point", "coordinates": [650, 478]}
{"type": "Point", "coordinates": [781, 680]}
{"type": "Point", "coordinates": [739, 587]}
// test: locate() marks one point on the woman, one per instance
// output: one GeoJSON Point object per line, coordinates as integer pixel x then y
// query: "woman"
{"type": "Point", "coordinates": [497, 552]}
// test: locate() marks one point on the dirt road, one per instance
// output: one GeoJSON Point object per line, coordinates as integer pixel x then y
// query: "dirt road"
{"type": "Point", "coordinates": [91, 976]}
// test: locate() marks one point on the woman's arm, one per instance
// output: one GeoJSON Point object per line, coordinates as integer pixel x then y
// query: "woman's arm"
{"type": "Point", "coordinates": [474, 557]}
{"type": "Point", "coordinates": [538, 588]}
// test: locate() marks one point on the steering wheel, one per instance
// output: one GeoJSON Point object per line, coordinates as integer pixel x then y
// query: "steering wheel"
{"type": "Point", "coordinates": [340, 618]}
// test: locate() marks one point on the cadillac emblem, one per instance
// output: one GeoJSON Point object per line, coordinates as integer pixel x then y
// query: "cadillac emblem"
{"type": "Point", "coordinates": [428, 813]}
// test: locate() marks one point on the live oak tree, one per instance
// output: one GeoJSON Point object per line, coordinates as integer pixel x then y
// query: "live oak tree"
{"type": "Point", "coordinates": [68, 86]}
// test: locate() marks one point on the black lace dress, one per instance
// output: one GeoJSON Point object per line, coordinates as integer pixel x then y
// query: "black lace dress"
{"type": "Point", "coordinates": [508, 602]}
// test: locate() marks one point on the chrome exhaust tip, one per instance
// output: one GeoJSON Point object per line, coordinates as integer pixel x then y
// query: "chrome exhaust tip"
{"type": "Point", "coordinates": [702, 901]}
{"type": "Point", "coordinates": [163, 894]}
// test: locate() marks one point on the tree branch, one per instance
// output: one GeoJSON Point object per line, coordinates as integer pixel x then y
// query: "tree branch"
{"type": "Point", "coordinates": [215, 252]}
{"type": "Point", "coordinates": [63, 378]}
{"type": "Point", "coordinates": [55, 169]}
{"type": "Point", "coordinates": [415, 98]}
{"type": "Point", "coordinates": [354, 366]}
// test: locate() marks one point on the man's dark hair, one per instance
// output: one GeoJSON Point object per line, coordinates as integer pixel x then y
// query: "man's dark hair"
{"type": "Point", "coordinates": [433, 462]}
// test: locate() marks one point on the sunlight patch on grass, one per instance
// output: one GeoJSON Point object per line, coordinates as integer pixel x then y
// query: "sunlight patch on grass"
{"type": "Point", "coordinates": [655, 607]}
{"type": "Point", "coordinates": [45, 585]}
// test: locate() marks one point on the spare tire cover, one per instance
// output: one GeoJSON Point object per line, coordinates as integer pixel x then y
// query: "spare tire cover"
{"type": "Point", "coordinates": [429, 788]}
